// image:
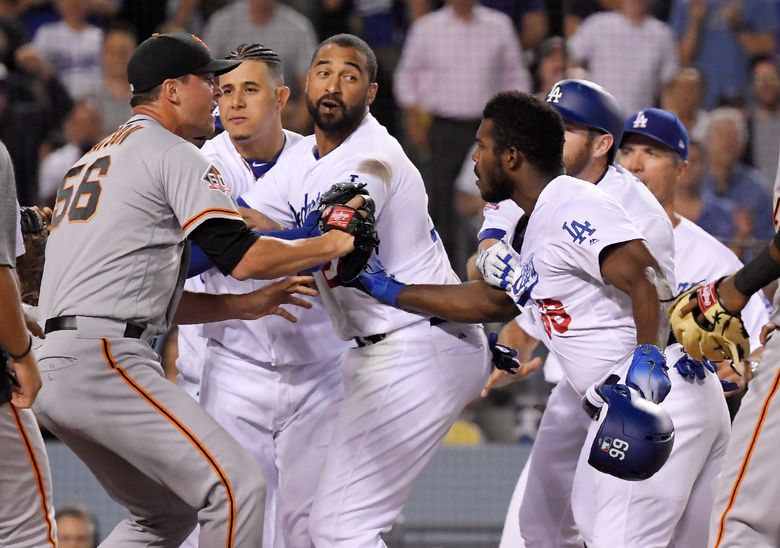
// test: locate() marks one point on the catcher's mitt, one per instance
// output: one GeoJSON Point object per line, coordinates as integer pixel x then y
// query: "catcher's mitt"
{"type": "Point", "coordinates": [30, 265]}
{"type": "Point", "coordinates": [359, 222]}
{"type": "Point", "coordinates": [709, 331]}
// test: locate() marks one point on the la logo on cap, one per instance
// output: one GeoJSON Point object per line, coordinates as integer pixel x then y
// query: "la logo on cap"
{"type": "Point", "coordinates": [640, 120]}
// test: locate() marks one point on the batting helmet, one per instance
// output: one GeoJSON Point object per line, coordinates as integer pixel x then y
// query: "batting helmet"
{"type": "Point", "coordinates": [635, 435]}
{"type": "Point", "coordinates": [587, 104]}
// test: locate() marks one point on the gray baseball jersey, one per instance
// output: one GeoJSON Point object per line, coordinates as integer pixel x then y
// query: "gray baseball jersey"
{"type": "Point", "coordinates": [117, 254]}
{"type": "Point", "coordinates": [26, 509]}
{"type": "Point", "coordinates": [118, 243]}
{"type": "Point", "coordinates": [745, 511]}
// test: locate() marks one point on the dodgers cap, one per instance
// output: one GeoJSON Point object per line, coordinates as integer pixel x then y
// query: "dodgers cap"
{"type": "Point", "coordinates": [172, 55]}
{"type": "Point", "coordinates": [660, 126]}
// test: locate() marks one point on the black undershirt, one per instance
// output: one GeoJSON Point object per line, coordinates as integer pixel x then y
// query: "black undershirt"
{"type": "Point", "coordinates": [225, 241]}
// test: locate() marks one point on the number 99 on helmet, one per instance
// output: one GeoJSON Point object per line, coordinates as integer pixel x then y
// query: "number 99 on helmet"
{"type": "Point", "coordinates": [635, 436]}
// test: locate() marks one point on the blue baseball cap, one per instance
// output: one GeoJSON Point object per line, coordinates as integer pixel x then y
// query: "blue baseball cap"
{"type": "Point", "coordinates": [661, 126]}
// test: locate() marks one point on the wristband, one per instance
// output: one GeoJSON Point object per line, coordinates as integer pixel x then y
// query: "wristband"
{"type": "Point", "coordinates": [23, 354]}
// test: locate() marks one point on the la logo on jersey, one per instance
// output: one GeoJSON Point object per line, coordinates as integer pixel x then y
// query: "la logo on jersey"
{"type": "Point", "coordinates": [579, 232]}
{"type": "Point", "coordinates": [215, 181]}
{"type": "Point", "coordinates": [555, 95]}
{"type": "Point", "coordinates": [641, 120]}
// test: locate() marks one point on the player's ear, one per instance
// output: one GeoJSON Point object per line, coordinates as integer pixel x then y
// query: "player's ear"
{"type": "Point", "coordinates": [680, 169]}
{"type": "Point", "coordinates": [170, 89]}
{"type": "Point", "coordinates": [282, 94]}
{"type": "Point", "coordinates": [373, 87]}
{"type": "Point", "coordinates": [512, 158]}
{"type": "Point", "coordinates": [602, 144]}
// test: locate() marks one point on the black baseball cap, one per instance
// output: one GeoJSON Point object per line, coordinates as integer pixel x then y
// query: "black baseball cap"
{"type": "Point", "coordinates": [171, 55]}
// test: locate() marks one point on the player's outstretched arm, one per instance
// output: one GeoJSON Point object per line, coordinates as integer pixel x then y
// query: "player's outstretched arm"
{"type": "Point", "coordinates": [469, 302]}
{"type": "Point", "coordinates": [205, 308]}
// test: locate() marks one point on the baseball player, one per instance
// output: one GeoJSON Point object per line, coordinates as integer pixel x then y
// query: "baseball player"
{"type": "Point", "coordinates": [605, 519]}
{"type": "Point", "coordinates": [116, 261]}
{"type": "Point", "coordinates": [271, 384]}
{"type": "Point", "coordinates": [26, 509]}
{"type": "Point", "coordinates": [401, 392]}
{"type": "Point", "coordinates": [745, 504]}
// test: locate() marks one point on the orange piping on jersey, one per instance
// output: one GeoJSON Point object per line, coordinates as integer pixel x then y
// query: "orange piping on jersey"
{"type": "Point", "coordinates": [38, 475]}
{"type": "Point", "coordinates": [209, 211]}
{"type": "Point", "coordinates": [106, 345]}
{"type": "Point", "coordinates": [116, 138]}
{"type": "Point", "coordinates": [746, 458]}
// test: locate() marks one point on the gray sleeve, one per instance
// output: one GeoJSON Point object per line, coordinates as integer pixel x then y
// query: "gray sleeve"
{"type": "Point", "coordinates": [8, 209]}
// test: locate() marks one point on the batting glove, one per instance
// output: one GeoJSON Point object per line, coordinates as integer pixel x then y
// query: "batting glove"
{"type": "Point", "coordinates": [647, 373]}
{"type": "Point", "coordinates": [375, 281]}
{"type": "Point", "coordinates": [690, 368]}
{"type": "Point", "coordinates": [504, 357]}
{"type": "Point", "coordinates": [497, 265]}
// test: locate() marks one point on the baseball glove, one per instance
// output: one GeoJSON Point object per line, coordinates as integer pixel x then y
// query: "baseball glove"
{"type": "Point", "coordinates": [709, 332]}
{"type": "Point", "coordinates": [335, 214]}
{"type": "Point", "coordinates": [30, 265]}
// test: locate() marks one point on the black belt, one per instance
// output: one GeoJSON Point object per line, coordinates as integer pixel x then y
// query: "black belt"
{"type": "Point", "coordinates": [68, 323]}
{"type": "Point", "coordinates": [368, 340]}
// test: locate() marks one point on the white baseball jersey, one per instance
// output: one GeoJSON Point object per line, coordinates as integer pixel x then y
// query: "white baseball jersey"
{"type": "Point", "coordinates": [559, 278]}
{"type": "Point", "coordinates": [410, 247]}
{"type": "Point", "coordinates": [270, 339]}
{"type": "Point", "coordinates": [702, 258]}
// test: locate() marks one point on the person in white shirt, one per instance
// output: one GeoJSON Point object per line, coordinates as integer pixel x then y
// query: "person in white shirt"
{"type": "Point", "coordinates": [410, 375]}
{"type": "Point", "coordinates": [274, 385]}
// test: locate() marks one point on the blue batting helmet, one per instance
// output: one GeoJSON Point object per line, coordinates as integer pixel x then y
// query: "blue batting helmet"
{"type": "Point", "coordinates": [587, 104]}
{"type": "Point", "coordinates": [635, 435]}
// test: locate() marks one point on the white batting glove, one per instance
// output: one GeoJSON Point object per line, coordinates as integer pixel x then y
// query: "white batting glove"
{"type": "Point", "coordinates": [497, 265]}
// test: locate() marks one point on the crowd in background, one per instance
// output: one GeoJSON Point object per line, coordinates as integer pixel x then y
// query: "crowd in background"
{"type": "Point", "coordinates": [714, 63]}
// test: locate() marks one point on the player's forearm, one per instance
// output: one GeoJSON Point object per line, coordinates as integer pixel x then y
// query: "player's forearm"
{"type": "Point", "coordinates": [651, 327]}
{"type": "Point", "coordinates": [735, 290]}
{"type": "Point", "coordinates": [196, 308]}
{"type": "Point", "coordinates": [271, 258]}
{"type": "Point", "coordinates": [470, 302]}
{"type": "Point", "coordinates": [14, 336]}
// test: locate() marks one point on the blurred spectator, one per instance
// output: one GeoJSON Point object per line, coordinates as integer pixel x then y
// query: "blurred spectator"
{"type": "Point", "coordinates": [727, 177]}
{"type": "Point", "coordinates": [528, 16]}
{"type": "Point", "coordinates": [113, 97]}
{"type": "Point", "coordinates": [12, 34]}
{"type": "Point", "coordinates": [764, 118]}
{"type": "Point", "coordinates": [76, 528]}
{"type": "Point", "coordinates": [71, 47]}
{"type": "Point", "coordinates": [629, 52]}
{"type": "Point", "coordinates": [279, 27]}
{"type": "Point", "coordinates": [551, 58]}
{"type": "Point", "coordinates": [694, 202]}
{"type": "Point", "coordinates": [683, 97]}
{"type": "Point", "coordinates": [145, 16]}
{"type": "Point", "coordinates": [453, 61]}
{"type": "Point", "coordinates": [83, 128]}
{"type": "Point", "coordinates": [27, 116]}
{"type": "Point", "coordinates": [577, 12]}
{"type": "Point", "coordinates": [720, 36]}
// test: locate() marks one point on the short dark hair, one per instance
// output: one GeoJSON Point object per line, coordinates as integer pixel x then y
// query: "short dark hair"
{"type": "Point", "coordinates": [259, 52]}
{"type": "Point", "coordinates": [151, 95]}
{"type": "Point", "coordinates": [531, 126]}
{"type": "Point", "coordinates": [352, 41]}
{"type": "Point", "coordinates": [81, 513]}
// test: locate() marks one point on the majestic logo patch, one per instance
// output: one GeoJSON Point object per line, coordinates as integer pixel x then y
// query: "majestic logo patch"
{"type": "Point", "coordinates": [215, 181]}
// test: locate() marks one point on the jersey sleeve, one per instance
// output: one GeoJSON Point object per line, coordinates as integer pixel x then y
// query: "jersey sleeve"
{"type": "Point", "coordinates": [19, 236]}
{"type": "Point", "coordinates": [499, 220]}
{"type": "Point", "coordinates": [581, 228]}
{"type": "Point", "coordinates": [194, 187]}
{"type": "Point", "coordinates": [268, 197]}
{"type": "Point", "coordinates": [9, 209]}
{"type": "Point", "coordinates": [376, 175]}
